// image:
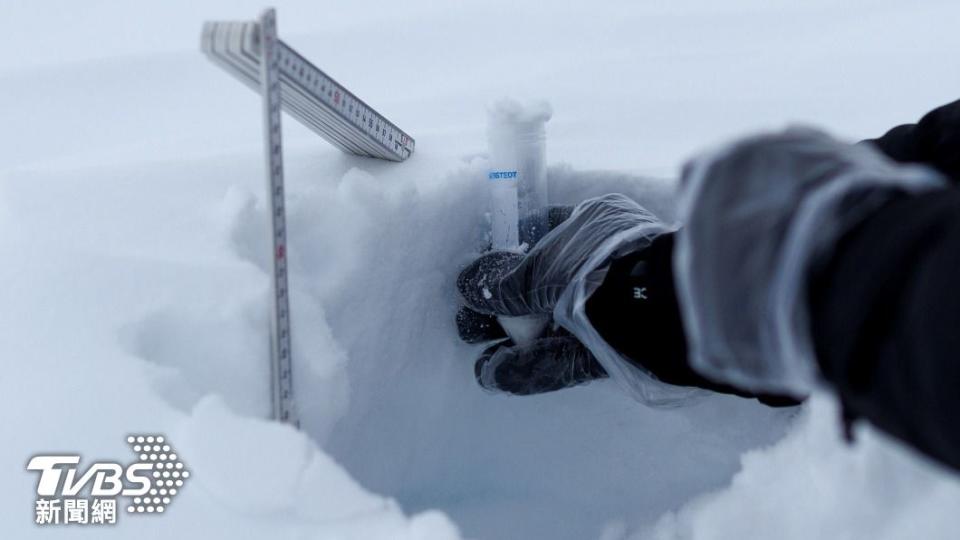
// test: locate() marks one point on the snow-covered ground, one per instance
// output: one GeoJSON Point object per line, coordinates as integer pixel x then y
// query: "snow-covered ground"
{"type": "Point", "coordinates": [133, 287]}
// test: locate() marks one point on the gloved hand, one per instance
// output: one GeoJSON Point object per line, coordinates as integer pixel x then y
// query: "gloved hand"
{"type": "Point", "coordinates": [554, 361]}
{"type": "Point", "coordinates": [550, 362]}
{"type": "Point", "coordinates": [476, 327]}
{"type": "Point", "coordinates": [573, 255]}
{"type": "Point", "coordinates": [510, 284]}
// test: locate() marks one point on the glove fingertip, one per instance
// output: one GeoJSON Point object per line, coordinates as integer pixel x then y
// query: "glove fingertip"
{"type": "Point", "coordinates": [476, 327]}
{"type": "Point", "coordinates": [479, 282]}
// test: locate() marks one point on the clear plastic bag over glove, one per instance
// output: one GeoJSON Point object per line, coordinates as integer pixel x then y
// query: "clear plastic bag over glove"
{"type": "Point", "coordinates": [555, 278]}
{"type": "Point", "coordinates": [758, 215]}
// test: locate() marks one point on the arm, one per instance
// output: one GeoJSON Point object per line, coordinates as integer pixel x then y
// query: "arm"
{"type": "Point", "coordinates": [887, 340]}
{"type": "Point", "coordinates": [808, 262]}
{"type": "Point", "coordinates": [934, 141]}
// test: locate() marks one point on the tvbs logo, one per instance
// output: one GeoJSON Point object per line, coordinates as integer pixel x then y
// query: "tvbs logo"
{"type": "Point", "coordinates": [67, 494]}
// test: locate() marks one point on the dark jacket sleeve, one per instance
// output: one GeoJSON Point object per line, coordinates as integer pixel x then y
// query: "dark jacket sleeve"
{"type": "Point", "coordinates": [934, 141]}
{"type": "Point", "coordinates": [885, 319]}
{"type": "Point", "coordinates": [884, 309]}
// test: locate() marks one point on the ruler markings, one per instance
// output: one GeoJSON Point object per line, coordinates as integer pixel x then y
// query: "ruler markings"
{"type": "Point", "coordinates": [300, 108]}
{"type": "Point", "coordinates": [327, 106]}
{"type": "Point", "coordinates": [284, 408]}
{"type": "Point", "coordinates": [253, 53]}
{"type": "Point", "coordinates": [312, 115]}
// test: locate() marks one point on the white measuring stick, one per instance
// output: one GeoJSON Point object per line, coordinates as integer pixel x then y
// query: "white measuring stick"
{"type": "Point", "coordinates": [308, 94]}
{"type": "Point", "coordinates": [281, 365]}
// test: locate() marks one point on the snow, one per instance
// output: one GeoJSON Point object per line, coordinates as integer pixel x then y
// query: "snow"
{"type": "Point", "coordinates": [134, 288]}
{"type": "Point", "coordinates": [875, 490]}
{"type": "Point", "coordinates": [524, 330]}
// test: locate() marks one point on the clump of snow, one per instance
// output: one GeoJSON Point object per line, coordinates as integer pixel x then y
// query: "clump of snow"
{"type": "Point", "coordinates": [158, 326]}
{"type": "Point", "coordinates": [419, 428]}
{"type": "Point", "coordinates": [524, 330]}
{"type": "Point", "coordinates": [509, 111]}
{"type": "Point", "coordinates": [813, 485]}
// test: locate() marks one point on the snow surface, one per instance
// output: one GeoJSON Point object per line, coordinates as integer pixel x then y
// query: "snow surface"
{"type": "Point", "coordinates": [134, 289]}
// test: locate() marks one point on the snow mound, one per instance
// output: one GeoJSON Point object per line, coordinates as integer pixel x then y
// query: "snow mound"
{"type": "Point", "coordinates": [813, 485]}
{"type": "Point", "coordinates": [379, 250]}
{"type": "Point", "coordinates": [386, 389]}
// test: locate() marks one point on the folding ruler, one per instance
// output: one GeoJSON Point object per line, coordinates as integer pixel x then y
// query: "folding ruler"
{"type": "Point", "coordinates": [252, 52]}
{"type": "Point", "coordinates": [308, 94]}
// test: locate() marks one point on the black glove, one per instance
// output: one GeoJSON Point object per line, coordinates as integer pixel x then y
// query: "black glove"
{"type": "Point", "coordinates": [510, 284]}
{"type": "Point", "coordinates": [476, 327]}
{"type": "Point", "coordinates": [552, 362]}
{"type": "Point", "coordinates": [502, 283]}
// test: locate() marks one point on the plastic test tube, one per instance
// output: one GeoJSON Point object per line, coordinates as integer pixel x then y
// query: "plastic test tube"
{"type": "Point", "coordinates": [518, 173]}
{"type": "Point", "coordinates": [518, 190]}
